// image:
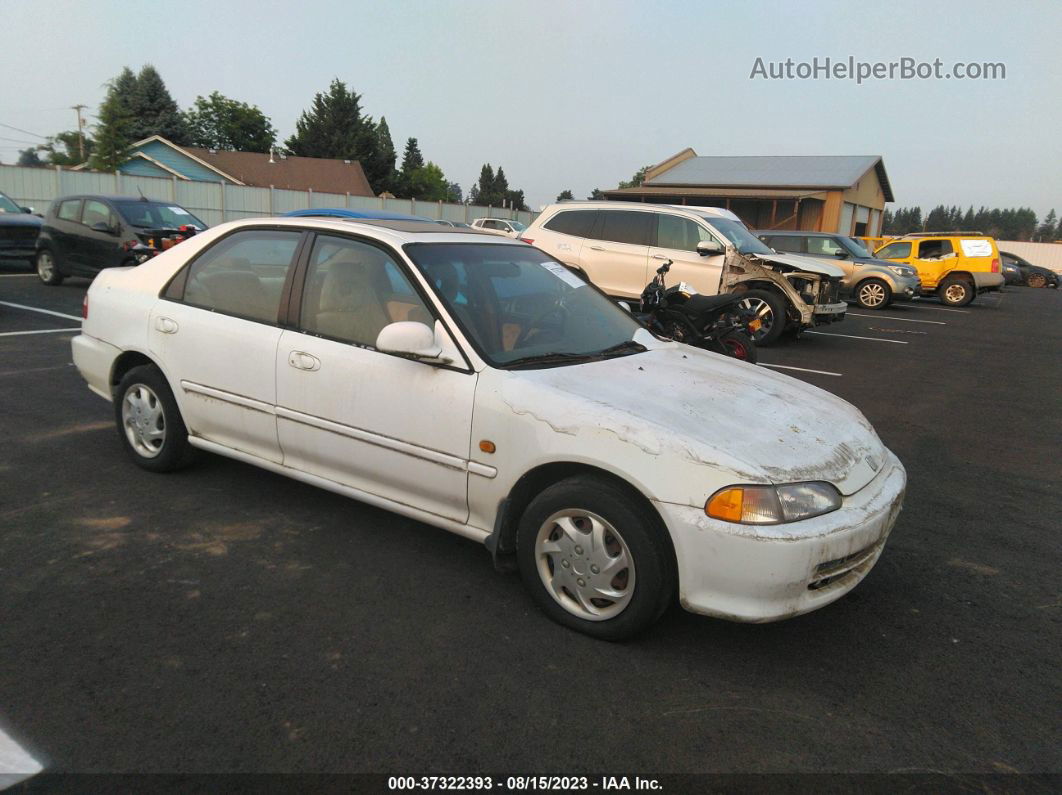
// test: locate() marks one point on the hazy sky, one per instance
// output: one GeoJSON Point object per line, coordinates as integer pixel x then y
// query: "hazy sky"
{"type": "Point", "coordinates": [581, 94]}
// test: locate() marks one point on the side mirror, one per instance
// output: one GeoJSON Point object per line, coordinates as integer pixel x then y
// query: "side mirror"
{"type": "Point", "coordinates": [27, 210]}
{"type": "Point", "coordinates": [709, 248]}
{"type": "Point", "coordinates": [842, 254]}
{"type": "Point", "coordinates": [412, 339]}
{"type": "Point", "coordinates": [101, 226]}
{"type": "Point", "coordinates": [625, 305]}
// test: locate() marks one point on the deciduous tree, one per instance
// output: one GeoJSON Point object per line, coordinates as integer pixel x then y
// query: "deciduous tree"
{"type": "Point", "coordinates": [217, 122]}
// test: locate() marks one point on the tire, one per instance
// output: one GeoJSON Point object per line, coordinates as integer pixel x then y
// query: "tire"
{"type": "Point", "coordinates": [739, 345]}
{"type": "Point", "coordinates": [873, 294]}
{"type": "Point", "coordinates": [770, 307]}
{"type": "Point", "coordinates": [144, 407]}
{"type": "Point", "coordinates": [48, 268]}
{"type": "Point", "coordinates": [954, 291]}
{"type": "Point", "coordinates": [550, 548]}
{"type": "Point", "coordinates": [1036, 280]}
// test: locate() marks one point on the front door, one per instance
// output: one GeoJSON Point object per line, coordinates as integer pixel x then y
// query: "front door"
{"type": "Point", "coordinates": [216, 332]}
{"type": "Point", "coordinates": [98, 248]}
{"type": "Point", "coordinates": [383, 424]}
{"type": "Point", "coordinates": [676, 240]}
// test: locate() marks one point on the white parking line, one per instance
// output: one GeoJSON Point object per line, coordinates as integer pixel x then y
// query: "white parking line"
{"type": "Point", "coordinates": [801, 369]}
{"type": "Point", "coordinates": [854, 337]}
{"type": "Point", "coordinates": [16, 275]}
{"type": "Point", "coordinates": [42, 311]}
{"type": "Point", "coordinates": [904, 319]}
{"type": "Point", "coordinates": [15, 764]}
{"type": "Point", "coordinates": [938, 308]}
{"type": "Point", "coordinates": [39, 331]}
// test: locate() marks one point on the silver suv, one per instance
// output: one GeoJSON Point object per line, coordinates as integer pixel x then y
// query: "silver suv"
{"type": "Point", "coordinates": [619, 245]}
{"type": "Point", "coordinates": [871, 283]}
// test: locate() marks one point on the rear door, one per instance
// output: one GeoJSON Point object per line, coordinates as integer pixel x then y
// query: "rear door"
{"type": "Point", "coordinates": [564, 234]}
{"type": "Point", "coordinates": [216, 333]}
{"type": "Point", "coordinates": [616, 257]}
{"type": "Point", "coordinates": [676, 240]}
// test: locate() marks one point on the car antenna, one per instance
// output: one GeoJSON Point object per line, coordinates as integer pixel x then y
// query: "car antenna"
{"type": "Point", "coordinates": [143, 198]}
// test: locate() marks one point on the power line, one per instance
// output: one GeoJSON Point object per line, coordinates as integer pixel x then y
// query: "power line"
{"type": "Point", "coordinates": [19, 141]}
{"type": "Point", "coordinates": [27, 132]}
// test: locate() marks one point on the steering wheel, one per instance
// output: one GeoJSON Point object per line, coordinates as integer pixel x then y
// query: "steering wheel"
{"type": "Point", "coordinates": [557, 309]}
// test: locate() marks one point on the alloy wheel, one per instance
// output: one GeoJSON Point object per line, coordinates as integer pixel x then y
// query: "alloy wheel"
{"type": "Point", "coordinates": [872, 295]}
{"type": "Point", "coordinates": [763, 312]}
{"type": "Point", "coordinates": [585, 564]}
{"type": "Point", "coordinates": [46, 266]}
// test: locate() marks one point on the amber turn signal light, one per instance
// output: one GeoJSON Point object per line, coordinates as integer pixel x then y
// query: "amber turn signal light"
{"type": "Point", "coordinates": [726, 505]}
{"type": "Point", "coordinates": [487, 446]}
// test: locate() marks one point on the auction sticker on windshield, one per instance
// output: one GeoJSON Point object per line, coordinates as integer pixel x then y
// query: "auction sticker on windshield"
{"type": "Point", "coordinates": [563, 274]}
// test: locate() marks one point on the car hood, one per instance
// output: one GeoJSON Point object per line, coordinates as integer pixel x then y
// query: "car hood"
{"type": "Point", "coordinates": [19, 219]}
{"type": "Point", "coordinates": [875, 261]}
{"type": "Point", "coordinates": [710, 410]}
{"type": "Point", "coordinates": [809, 264]}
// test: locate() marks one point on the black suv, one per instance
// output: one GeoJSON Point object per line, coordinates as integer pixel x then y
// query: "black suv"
{"type": "Point", "coordinates": [82, 235]}
{"type": "Point", "coordinates": [18, 230]}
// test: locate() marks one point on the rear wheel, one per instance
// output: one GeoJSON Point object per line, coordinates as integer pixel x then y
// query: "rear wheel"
{"type": "Point", "coordinates": [955, 291]}
{"type": "Point", "coordinates": [769, 307]}
{"type": "Point", "coordinates": [873, 294]}
{"type": "Point", "coordinates": [594, 559]}
{"type": "Point", "coordinates": [149, 422]}
{"type": "Point", "coordinates": [1036, 280]}
{"type": "Point", "coordinates": [740, 345]}
{"type": "Point", "coordinates": [47, 269]}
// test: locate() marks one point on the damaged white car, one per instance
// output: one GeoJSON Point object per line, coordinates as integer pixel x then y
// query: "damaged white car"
{"type": "Point", "coordinates": [475, 384]}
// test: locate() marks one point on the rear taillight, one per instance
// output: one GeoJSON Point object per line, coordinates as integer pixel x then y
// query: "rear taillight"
{"type": "Point", "coordinates": [84, 307]}
{"type": "Point", "coordinates": [527, 240]}
{"type": "Point", "coordinates": [995, 266]}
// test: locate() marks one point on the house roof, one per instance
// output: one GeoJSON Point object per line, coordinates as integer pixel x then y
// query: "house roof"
{"type": "Point", "coordinates": [718, 193]}
{"type": "Point", "coordinates": [292, 173]}
{"type": "Point", "coordinates": [803, 171]}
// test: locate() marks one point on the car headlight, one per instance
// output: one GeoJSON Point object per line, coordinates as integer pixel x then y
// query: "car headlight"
{"type": "Point", "coordinates": [901, 271]}
{"type": "Point", "coordinates": [773, 504]}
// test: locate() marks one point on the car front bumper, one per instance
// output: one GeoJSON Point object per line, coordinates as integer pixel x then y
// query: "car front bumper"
{"type": "Point", "coordinates": [829, 313]}
{"type": "Point", "coordinates": [907, 287]}
{"type": "Point", "coordinates": [768, 573]}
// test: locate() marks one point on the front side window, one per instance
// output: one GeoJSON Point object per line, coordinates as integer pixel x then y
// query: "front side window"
{"type": "Point", "coordinates": [895, 251]}
{"type": "Point", "coordinates": [520, 307]}
{"type": "Point", "coordinates": [824, 247]}
{"type": "Point", "coordinates": [243, 274]}
{"type": "Point", "coordinates": [70, 210]}
{"type": "Point", "coordinates": [354, 289]}
{"type": "Point", "coordinates": [622, 226]}
{"type": "Point", "coordinates": [682, 234]}
{"type": "Point", "coordinates": [96, 212]}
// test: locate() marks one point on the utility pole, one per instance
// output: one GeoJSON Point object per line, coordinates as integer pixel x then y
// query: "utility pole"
{"type": "Point", "coordinates": [80, 131]}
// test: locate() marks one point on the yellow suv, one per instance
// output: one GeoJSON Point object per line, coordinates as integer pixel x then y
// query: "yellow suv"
{"type": "Point", "coordinates": [957, 266]}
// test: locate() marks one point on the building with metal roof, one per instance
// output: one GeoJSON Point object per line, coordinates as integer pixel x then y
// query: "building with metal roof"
{"type": "Point", "coordinates": [827, 193]}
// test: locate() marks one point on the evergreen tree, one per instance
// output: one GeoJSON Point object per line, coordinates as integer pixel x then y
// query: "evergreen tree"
{"type": "Point", "coordinates": [500, 190]}
{"type": "Point", "coordinates": [29, 158]}
{"type": "Point", "coordinates": [481, 192]}
{"type": "Point", "coordinates": [409, 182]}
{"type": "Point", "coordinates": [113, 140]}
{"type": "Point", "coordinates": [1048, 230]}
{"type": "Point", "coordinates": [595, 195]}
{"type": "Point", "coordinates": [153, 111]}
{"type": "Point", "coordinates": [454, 194]}
{"type": "Point", "coordinates": [333, 127]}
{"type": "Point", "coordinates": [565, 195]}
{"type": "Point", "coordinates": [637, 180]}
{"type": "Point", "coordinates": [217, 122]}
{"type": "Point", "coordinates": [380, 167]}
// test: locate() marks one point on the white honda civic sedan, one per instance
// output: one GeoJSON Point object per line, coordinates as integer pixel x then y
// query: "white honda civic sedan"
{"type": "Point", "coordinates": [477, 385]}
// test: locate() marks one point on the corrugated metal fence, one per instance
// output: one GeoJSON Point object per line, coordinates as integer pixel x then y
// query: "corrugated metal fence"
{"type": "Point", "coordinates": [216, 202]}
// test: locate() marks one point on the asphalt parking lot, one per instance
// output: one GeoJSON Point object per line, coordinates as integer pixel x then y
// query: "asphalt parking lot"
{"type": "Point", "coordinates": [225, 619]}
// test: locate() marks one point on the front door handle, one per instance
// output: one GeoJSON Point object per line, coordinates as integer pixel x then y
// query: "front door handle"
{"type": "Point", "coordinates": [658, 256]}
{"type": "Point", "coordinates": [596, 248]}
{"type": "Point", "coordinates": [301, 360]}
{"type": "Point", "coordinates": [166, 325]}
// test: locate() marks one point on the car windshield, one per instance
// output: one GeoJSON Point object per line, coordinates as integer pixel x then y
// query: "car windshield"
{"type": "Point", "coordinates": [157, 215]}
{"type": "Point", "coordinates": [8, 206]}
{"type": "Point", "coordinates": [517, 226]}
{"type": "Point", "coordinates": [519, 307]}
{"type": "Point", "coordinates": [855, 247]}
{"type": "Point", "coordinates": [739, 236]}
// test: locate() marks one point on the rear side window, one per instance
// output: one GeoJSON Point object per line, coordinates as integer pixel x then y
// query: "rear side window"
{"type": "Point", "coordinates": [243, 274]}
{"type": "Point", "coordinates": [894, 251]}
{"type": "Point", "coordinates": [787, 243]}
{"type": "Point", "coordinates": [70, 210]}
{"type": "Point", "coordinates": [621, 226]}
{"type": "Point", "coordinates": [931, 249]}
{"type": "Point", "coordinates": [572, 222]}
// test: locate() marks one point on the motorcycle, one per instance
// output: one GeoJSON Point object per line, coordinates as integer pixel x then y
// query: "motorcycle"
{"type": "Point", "coordinates": [156, 241]}
{"type": "Point", "coordinates": [713, 322]}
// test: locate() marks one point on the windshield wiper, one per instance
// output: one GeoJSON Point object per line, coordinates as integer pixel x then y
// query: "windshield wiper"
{"type": "Point", "coordinates": [624, 348]}
{"type": "Point", "coordinates": [553, 357]}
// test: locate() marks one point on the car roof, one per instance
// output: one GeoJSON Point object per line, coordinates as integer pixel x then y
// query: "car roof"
{"type": "Point", "coordinates": [343, 212]}
{"type": "Point", "coordinates": [395, 232]}
{"type": "Point", "coordinates": [595, 204]}
{"type": "Point", "coordinates": [799, 232]}
{"type": "Point", "coordinates": [114, 197]}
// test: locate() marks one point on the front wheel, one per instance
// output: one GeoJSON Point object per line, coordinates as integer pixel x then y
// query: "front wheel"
{"type": "Point", "coordinates": [873, 294]}
{"type": "Point", "coordinates": [149, 422]}
{"type": "Point", "coordinates": [739, 345]}
{"type": "Point", "coordinates": [769, 308]}
{"type": "Point", "coordinates": [594, 559]}
{"type": "Point", "coordinates": [47, 269]}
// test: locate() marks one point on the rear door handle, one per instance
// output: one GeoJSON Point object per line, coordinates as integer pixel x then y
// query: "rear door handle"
{"type": "Point", "coordinates": [596, 248]}
{"type": "Point", "coordinates": [301, 360]}
{"type": "Point", "coordinates": [166, 325]}
{"type": "Point", "coordinates": [658, 256]}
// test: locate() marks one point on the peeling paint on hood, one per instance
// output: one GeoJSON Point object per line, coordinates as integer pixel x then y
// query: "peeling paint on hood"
{"type": "Point", "coordinates": [707, 409]}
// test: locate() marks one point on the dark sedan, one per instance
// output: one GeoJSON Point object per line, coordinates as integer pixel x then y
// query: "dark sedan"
{"type": "Point", "coordinates": [18, 231]}
{"type": "Point", "coordinates": [1031, 275]}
